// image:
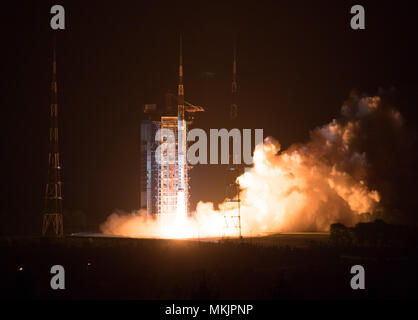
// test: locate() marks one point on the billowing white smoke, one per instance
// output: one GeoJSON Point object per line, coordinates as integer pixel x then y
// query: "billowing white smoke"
{"type": "Point", "coordinates": [296, 191]}
{"type": "Point", "coordinates": [306, 187]}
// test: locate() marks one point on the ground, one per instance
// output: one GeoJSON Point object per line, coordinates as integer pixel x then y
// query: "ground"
{"type": "Point", "coordinates": [279, 266]}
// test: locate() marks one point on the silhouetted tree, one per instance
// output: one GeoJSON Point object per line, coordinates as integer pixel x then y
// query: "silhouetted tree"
{"type": "Point", "coordinates": [340, 235]}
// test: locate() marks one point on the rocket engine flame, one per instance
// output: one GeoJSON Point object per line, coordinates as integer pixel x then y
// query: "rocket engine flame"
{"type": "Point", "coordinates": [304, 188]}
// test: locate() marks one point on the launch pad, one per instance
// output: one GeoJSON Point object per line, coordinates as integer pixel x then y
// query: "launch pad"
{"type": "Point", "coordinates": [291, 239]}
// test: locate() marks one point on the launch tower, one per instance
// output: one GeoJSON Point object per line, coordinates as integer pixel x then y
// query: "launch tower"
{"type": "Point", "coordinates": [164, 183]}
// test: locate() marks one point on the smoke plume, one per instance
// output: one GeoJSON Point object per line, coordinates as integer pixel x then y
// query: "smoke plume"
{"type": "Point", "coordinates": [334, 177]}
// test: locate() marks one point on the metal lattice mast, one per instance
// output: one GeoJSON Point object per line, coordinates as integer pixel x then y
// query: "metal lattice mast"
{"type": "Point", "coordinates": [180, 102]}
{"type": "Point", "coordinates": [233, 192]}
{"type": "Point", "coordinates": [52, 221]}
{"type": "Point", "coordinates": [234, 88]}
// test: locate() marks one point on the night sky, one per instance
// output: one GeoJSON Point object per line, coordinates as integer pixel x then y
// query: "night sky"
{"type": "Point", "coordinates": [297, 63]}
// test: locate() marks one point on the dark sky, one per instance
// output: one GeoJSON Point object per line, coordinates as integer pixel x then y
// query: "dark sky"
{"type": "Point", "coordinates": [297, 62]}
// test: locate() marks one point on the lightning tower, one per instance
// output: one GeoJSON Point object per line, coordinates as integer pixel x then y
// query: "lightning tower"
{"type": "Point", "coordinates": [52, 221]}
{"type": "Point", "coordinates": [233, 221]}
{"type": "Point", "coordinates": [234, 106]}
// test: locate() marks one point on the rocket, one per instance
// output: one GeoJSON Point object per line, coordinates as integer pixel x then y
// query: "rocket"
{"type": "Point", "coordinates": [181, 142]}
